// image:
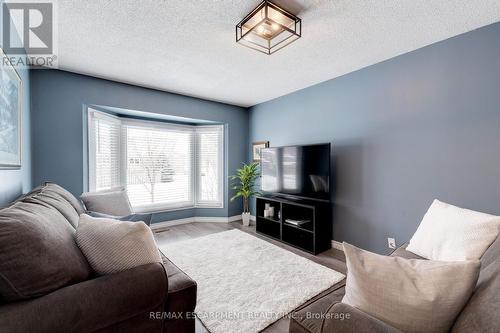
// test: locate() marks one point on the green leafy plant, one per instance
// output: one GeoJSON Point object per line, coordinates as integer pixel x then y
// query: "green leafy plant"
{"type": "Point", "coordinates": [244, 183]}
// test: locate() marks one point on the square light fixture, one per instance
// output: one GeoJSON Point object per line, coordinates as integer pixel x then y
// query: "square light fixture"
{"type": "Point", "coordinates": [268, 28]}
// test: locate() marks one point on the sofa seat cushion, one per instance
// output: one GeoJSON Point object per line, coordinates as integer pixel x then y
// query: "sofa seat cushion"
{"type": "Point", "coordinates": [38, 253]}
{"type": "Point", "coordinates": [181, 289]}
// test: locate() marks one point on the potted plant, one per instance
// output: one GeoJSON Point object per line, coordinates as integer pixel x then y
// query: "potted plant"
{"type": "Point", "coordinates": [243, 184]}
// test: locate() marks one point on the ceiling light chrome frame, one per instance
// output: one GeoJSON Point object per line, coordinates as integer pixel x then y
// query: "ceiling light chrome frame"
{"type": "Point", "coordinates": [296, 33]}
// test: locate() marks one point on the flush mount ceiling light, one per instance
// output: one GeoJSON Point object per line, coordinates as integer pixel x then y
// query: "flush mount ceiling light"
{"type": "Point", "coordinates": [268, 28]}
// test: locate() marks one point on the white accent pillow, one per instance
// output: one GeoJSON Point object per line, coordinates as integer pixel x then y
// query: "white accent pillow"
{"type": "Point", "coordinates": [412, 295]}
{"type": "Point", "coordinates": [112, 246]}
{"type": "Point", "coordinates": [112, 202]}
{"type": "Point", "coordinates": [451, 233]}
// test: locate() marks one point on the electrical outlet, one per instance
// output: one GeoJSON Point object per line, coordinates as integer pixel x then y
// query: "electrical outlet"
{"type": "Point", "coordinates": [391, 242]}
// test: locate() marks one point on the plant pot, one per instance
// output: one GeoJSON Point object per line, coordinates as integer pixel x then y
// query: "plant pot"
{"type": "Point", "coordinates": [245, 217]}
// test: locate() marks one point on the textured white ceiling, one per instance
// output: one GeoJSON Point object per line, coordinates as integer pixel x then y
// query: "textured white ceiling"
{"type": "Point", "coordinates": [188, 46]}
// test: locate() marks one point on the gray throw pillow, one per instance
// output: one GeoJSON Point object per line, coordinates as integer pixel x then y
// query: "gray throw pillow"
{"type": "Point", "coordinates": [112, 202]}
{"type": "Point", "coordinates": [112, 246]}
{"type": "Point", "coordinates": [411, 295]}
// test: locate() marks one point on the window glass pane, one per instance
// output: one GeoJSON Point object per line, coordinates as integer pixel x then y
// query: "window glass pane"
{"type": "Point", "coordinates": [159, 166]}
{"type": "Point", "coordinates": [209, 159]}
{"type": "Point", "coordinates": [104, 145]}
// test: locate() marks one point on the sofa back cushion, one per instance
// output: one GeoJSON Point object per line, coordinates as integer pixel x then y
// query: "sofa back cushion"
{"type": "Point", "coordinates": [38, 253]}
{"type": "Point", "coordinates": [54, 200]}
{"type": "Point", "coordinates": [481, 313]}
{"type": "Point", "coordinates": [54, 188]}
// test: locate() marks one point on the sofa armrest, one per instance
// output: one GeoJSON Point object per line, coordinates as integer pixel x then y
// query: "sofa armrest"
{"type": "Point", "coordinates": [145, 217]}
{"type": "Point", "coordinates": [345, 318]}
{"type": "Point", "coordinates": [90, 305]}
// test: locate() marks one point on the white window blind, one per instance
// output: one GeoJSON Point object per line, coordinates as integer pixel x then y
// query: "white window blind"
{"type": "Point", "coordinates": [209, 145]}
{"type": "Point", "coordinates": [163, 166]}
{"type": "Point", "coordinates": [159, 165]}
{"type": "Point", "coordinates": [104, 151]}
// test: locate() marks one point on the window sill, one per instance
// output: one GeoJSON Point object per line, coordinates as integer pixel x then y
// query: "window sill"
{"type": "Point", "coordinates": [152, 210]}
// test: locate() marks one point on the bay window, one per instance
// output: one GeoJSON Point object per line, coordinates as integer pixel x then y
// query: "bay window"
{"type": "Point", "coordinates": [163, 166]}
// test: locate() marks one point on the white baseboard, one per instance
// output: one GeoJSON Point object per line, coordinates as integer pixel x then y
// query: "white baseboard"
{"type": "Point", "coordinates": [252, 218]}
{"type": "Point", "coordinates": [166, 224]}
{"type": "Point", "coordinates": [217, 219]}
{"type": "Point", "coordinates": [234, 218]}
{"type": "Point", "coordinates": [337, 245]}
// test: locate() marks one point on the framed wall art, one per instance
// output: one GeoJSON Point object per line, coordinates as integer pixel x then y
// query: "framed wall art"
{"type": "Point", "coordinates": [10, 115]}
{"type": "Point", "coordinates": [257, 147]}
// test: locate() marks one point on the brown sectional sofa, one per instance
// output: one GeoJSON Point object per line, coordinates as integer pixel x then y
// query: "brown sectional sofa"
{"type": "Point", "coordinates": [480, 315]}
{"type": "Point", "coordinates": [46, 284]}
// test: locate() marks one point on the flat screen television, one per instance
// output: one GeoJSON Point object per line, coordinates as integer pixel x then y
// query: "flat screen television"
{"type": "Point", "coordinates": [298, 171]}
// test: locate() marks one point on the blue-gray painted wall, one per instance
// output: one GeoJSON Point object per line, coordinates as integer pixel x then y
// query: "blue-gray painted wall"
{"type": "Point", "coordinates": [15, 182]}
{"type": "Point", "coordinates": [420, 126]}
{"type": "Point", "coordinates": [58, 99]}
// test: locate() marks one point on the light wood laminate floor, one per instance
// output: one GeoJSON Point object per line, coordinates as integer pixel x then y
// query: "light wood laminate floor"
{"type": "Point", "coordinates": [332, 258]}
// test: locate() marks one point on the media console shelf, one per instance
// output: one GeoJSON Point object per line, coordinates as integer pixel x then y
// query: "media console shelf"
{"type": "Point", "coordinates": [314, 236]}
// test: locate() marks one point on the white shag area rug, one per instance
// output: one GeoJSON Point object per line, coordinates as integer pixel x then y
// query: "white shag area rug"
{"type": "Point", "coordinates": [245, 283]}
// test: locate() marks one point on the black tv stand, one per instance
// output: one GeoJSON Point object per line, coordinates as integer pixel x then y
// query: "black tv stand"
{"type": "Point", "coordinates": [286, 198]}
{"type": "Point", "coordinates": [314, 236]}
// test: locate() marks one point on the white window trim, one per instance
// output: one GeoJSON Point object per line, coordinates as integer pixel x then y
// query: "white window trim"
{"type": "Point", "coordinates": [194, 203]}
{"type": "Point", "coordinates": [154, 124]}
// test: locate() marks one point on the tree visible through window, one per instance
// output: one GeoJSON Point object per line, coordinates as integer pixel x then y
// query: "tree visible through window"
{"type": "Point", "coordinates": [160, 171]}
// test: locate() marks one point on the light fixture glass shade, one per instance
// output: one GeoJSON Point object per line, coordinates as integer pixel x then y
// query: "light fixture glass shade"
{"type": "Point", "coordinates": [268, 28]}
